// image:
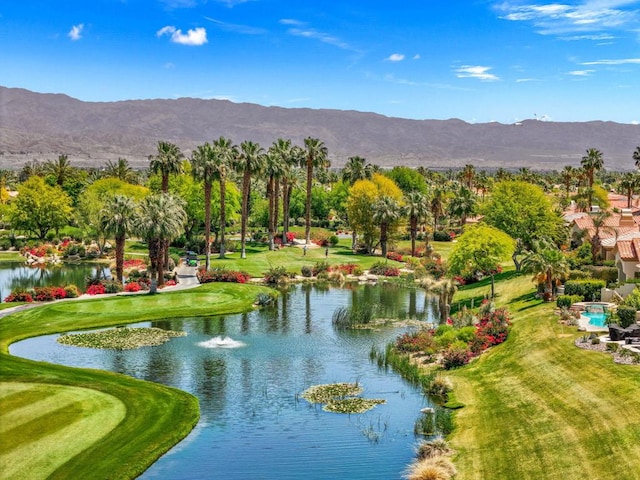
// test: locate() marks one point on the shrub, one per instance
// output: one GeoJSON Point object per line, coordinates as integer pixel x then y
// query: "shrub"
{"type": "Point", "coordinates": [439, 386]}
{"type": "Point", "coordinates": [633, 299]}
{"type": "Point", "coordinates": [96, 289]}
{"type": "Point", "coordinates": [421, 341]}
{"type": "Point", "coordinates": [612, 347]}
{"type": "Point", "coordinates": [588, 289]}
{"type": "Point", "coordinates": [71, 291]}
{"type": "Point", "coordinates": [112, 287]}
{"type": "Point", "coordinates": [442, 236]}
{"type": "Point", "coordinates": [394, 256]}
{"type": "Point", "coordinates": [132, 287]}
{"type": "Point", "coordinates": [276, 275]}
{"type": "Point", "coordinates": [608, 274]}
{"type": "Point", "coordinates": [456, 355]}
{"type": "Point", "coordinates": [19, 296]}
{"type": "Point", "coordinates": [347, 269]}
{"type": "Point", "coordinates": [265, 299]}
{"type": "Point", "coordinates": [626, 315]}
{"type": "Point", "coordinates": [221, 274]}
{"type": "Point", "coordinates": [307, 271]}
{"type": "Point", "coordinates": [567, 300]}
{"type": "Point", "coordinates": [47, 294]}
{"type": "Point", "coordinates": [381, 268]}
{"type": "Point", "coordinates": [433, 448]}
{"type": "Point", "coordinates": [333, 240]}
{"type": "Point", "coordinates": [320, 267]}
{"type": "Point", "coordinates": [437, 468]}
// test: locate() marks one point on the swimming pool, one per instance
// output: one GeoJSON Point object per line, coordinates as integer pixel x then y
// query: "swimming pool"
{"type": "Point", "coordinates": [597, 319]}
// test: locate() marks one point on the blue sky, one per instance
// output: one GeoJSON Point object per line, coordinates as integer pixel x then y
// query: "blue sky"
{"type": "Point", "coordinates": [476, 60]}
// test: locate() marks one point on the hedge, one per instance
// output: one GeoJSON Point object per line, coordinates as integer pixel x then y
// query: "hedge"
{"type": "Point", "coordinates": [587, 289]}
{"type": "Point", "coordinates": [608, 274]}
{"type": "Point", "coordinates": [626, 316]}
{"type": "Point", "coordinates": [567, 300]}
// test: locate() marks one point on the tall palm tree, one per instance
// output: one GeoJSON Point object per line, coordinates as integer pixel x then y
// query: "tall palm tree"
{"type": "Point", "coordinates": [249, 162]}
{"type": "Point", "coordinates": [118, 218]}
{"type": "Point", "coordinates": [386, 211]}
{"type": "Point", "coordinates": [120, 170]}
{"type": "Point", "coordinates": [567, 175]}
{"type": "Point", "coordinates": [60, 169]}
{"type": "Point", "coordinates": [463, 204]}
{"type": "Point", "coordinates": [225, 153]}
{"type": "Point", "coordinates": [600, 226]}
{"type": "Point", "coordinates": [468, 176]}
{"type": "Point", "coordinates": [316, 157]}
{"type": "Point", "coordinates": [437, 206]}
{"type": "Point", "coordinates": [547, 263]}
{"type": "Point", "coordinates": [290, 180]}
{"type": "Point", "coordinates": [356, 169]}
{"type": "Point", "coordinates": [168, 161]}
{"type": "Point", "coordinates": [591, 163]}
{"type": "Point", "coordinates": [636, 156]}
{"type": "Point", "coordinates": [629, 183]}
{"type": "Point", "coordinates": [416, 207]}
{"type": "Point", "coordinates": [275, 169]}
{"type": "Point", "coordinates": [203, 168]}
{"type": "Point", "coordinates": [161, 218]}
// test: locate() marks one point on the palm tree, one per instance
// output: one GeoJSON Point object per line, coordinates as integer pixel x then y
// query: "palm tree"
{"type": "Point", "coordinates": [591, 163]}
{"type": "Point", "coordinates": [468, 176]}
{"type": "Point", "coordinates": [224, 156]}
{"type": "Point", "coordinates": [249, 162]}
{"type": "Point", "coordinates": [275, 168]}
{"type": "Point", "coordinates": [120, 170]}
{"type": "Point", "coordinates": [463, 204]}
{"type": "Point", "coordinates": [629, 183]}
{"type": "Point", "coordinates": [386, 211]}
{"type": "Point", "coordinates": [203, 168]}
{"type": "Point", "coordinates": [445, 289]}
{"type": "Point", "coordinates": [416, 208]}
{"type": "Point", "coordinates": [316, 157]}
{"type": "Point", "coordinates": [290, 180]}
{"type": "Point", "coordinates": [567, 175]}
{"type": "Point", "coordinates": [436, 206]}
{"type": "Point", "coordinates": [118, 218]}
{"type": "Point", "coordinates": [168, 161]}
{"type": "Point", "coordinates": [600, 225]}
{"type": "Point", "coordinates": [547, 263]}
{"type": "Point", "coordinates": [356, 169]}
{"type": "Point", "coordinates": [636, 156]}
{"type": "Point", "coordinates": [161, 218]}
{"type": "Point", "coordinates": [60, 169]}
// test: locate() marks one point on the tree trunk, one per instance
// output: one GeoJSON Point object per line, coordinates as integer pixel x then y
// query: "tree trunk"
{"type": "Point", "coordinates": [285, 209]}
{"type": "Point", "coordinates": [223, 213]}
{"type": "Point", "coordinates": [271, 219]}
{"type": "Point", "coordinates": [246, 188]}
{"type": "Point", "coordinates": [383, 239]}
{"type": "Point", "coordinates": [414, 231]}
{"type": "Point", "coordinates": [307, 214]}
{"type": "Point", "coordinates": [207, 224]}
{"type": "Point", "coordinates": [276, 206]}
{"type": "Point", "coordinates": [120, 258]}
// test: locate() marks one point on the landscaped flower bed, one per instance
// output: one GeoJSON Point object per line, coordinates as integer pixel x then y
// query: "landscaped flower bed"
{"type": "Point", "coordinates": [124, 338]}
{"type": "Point", "coordinates": [221, 275]}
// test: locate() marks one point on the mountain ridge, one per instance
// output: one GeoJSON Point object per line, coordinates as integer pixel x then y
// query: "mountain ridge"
{"type": "Point", "coordinates": [41, 126]}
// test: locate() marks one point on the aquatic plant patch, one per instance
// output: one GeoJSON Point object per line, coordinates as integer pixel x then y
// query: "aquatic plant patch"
{"type": "Point", "coordinates": [124, 338]}
{"type": "Point", "coordinates": [340, 398]}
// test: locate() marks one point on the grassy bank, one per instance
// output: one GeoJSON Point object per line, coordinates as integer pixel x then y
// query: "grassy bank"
{"type": "Point", "coordinates": [538, 407]}
{"type": "Point", "coordinates": [57, 421]}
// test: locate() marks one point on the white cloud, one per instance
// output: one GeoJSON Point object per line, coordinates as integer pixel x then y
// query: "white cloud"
{"type": "Point", "coordinates": [193, 37]}
{"type": "Point", "coordinates": [76, 32]}
{"type": "Point", "coordinates": [622, 61]}
{"type": "Point", "coordinates": [524, 80]}
{"type": "Point", "coordinates": [476, 71]}
{"type": "Point", "coordinates": [635, 122]}
{"type": "Point", "coordinates": [583, 16]}
{"type": "Point", "coordinates": [232, 27]}
{"type": "Point", "coordinates": [395, 57]}
{"type": "Point", "coordinates": [581, 73]}
{"type": "Point", "coordinates": [299, 29]}
{"type": "Point", "coordinates": [416, 57]}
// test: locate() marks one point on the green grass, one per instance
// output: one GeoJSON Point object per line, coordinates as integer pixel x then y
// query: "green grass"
{"type": "Point", "coordinates": [538, 407]}
{"type": "Point", "coordinates": [125, 423]}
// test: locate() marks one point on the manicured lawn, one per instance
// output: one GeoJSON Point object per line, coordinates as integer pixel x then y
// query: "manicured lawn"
{"type": "Point", "coordinates": [59, 422]}
{"type": "Point", "coordinates": [537, 407]}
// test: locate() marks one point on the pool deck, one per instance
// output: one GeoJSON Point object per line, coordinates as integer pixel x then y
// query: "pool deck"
{"type": "Point", "coordinates": [585, 326]}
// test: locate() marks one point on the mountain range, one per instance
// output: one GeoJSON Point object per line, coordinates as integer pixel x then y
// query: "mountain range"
{"type": "Point", "coordinates": [37, 126]}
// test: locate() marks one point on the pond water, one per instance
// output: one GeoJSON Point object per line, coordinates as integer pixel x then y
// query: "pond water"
{"type": "Point", "coordinates": [14, 275]}
{"type": "Point", "coordinates": [254, 422]}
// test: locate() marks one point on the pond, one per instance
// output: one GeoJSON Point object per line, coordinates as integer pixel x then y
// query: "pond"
{"type": "Point", "coordinates": [15, 275]}
{"type": "Point", "coordinates": [248, 372]}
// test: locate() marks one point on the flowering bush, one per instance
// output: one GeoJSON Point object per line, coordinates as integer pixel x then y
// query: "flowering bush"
{"type": "Point", "coordinates": [457, 355]}
{"type": "Point", "coordinates": [137, 263]}
{"type": "Point", "coordinates": [19, 296]}
{"type": "Point", "coordinates": [347, 269]}
{"type": "Point", "coordinates": [132, 287]}
{"type": "Point", "coordinates": [96, 289]}
{"type": "Point", "coordinates": [394, 256]}
{"type": "Point", "coordinates": [421, 341]}
{"type": "Point", "coordinates": [381, 268]}
{"type": "Point", "coordinates": [47, 294]}
{"type": "Point", "coordinates": [291, 236]}
{"type": "Point", "coordinates": [434, 266]}
{"type": "Point", "coordinates": [173, 283]}
{"type": "Point", "coordinates": [221, 275]}
{"type": "Point", "coordinates": [71, 291]}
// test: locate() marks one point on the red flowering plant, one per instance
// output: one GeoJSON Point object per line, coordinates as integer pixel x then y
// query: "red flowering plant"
{"type": "Point", "coordinates": [96, 289]}
{"type": "Point", "coordinates": [421, 341]}
{"type": "Point", "coordinates": [132, 287]}
{"type": "Point", "coordinates": [19, 296]}
{"type": "Point", "coordinates": [219, 274]}
{"type": "Point", "coordinates": [492, 329]}
{"type": "Point", "coordinates": [47, 294]}
{"type": "Point", "coordinates": [394, 256]}
{"type": "Point", "coordinates": [347, 268]}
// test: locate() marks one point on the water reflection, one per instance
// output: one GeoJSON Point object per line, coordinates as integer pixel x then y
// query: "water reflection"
{"type": "Point", "coordinates": [254, 423]}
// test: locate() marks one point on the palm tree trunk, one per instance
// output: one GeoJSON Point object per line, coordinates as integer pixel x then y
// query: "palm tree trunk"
{"type": "Point", "coordinates": [207, 224]}
{"type": "Point", "coordinates": [271, 219]}
{"type": "Point", "coordinates": [285, 209]}
{"type": "Point", "coordinates": [223, 213]}
{"type": "Point", "coordinates": [383, 239]}
{"type": "Point", "coordinates": [276, 206]}
{"type": "Point", "coordinates": [414, 231]}
{"type": "Point", "coordinates": [307, 214]}
{"type": "Point", "coordinates": [120, 258]}
{"type": "Point", "coordinates": [246, 187]}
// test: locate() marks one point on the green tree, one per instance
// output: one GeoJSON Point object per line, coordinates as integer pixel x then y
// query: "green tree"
{"type": "Point", "coordinates": [567, 176]}
{"type": "Point", "coordinates": [386, 212]}
{"type": "Point", "coordinates": [547, 263]}
{"type": "Point", "coordinates": [249, 161]}
{"type": "Point", "coordinates": [204, 167]}
{"type": "Point", "coordinates": [60, 169]}
{"type": "Point", "coordinates": [591, 163]}
{"type": "Point", "coordinates": [356, 169]}
{"type": "Point", "coordinates": [437, 205]}
{"type": "Point", "coordinates": [167, 161]}
{"type": "Point", "coordinates": [629, 183]}
{"type": "Point", "coordinates": [480, 249]}
{"type": "Point", "coordinates": [276, 167]}
{"type": "Point", "coordinates": [225, 154]}
{"type": "Point", "coordinates": [40, 208]}
{"type": "Point", "coordinates": [315, 158]}
{"type": "Point", "coordinates": [161, 219]}
{"type": "Point", "coordinates": [522, 210]}
{"type": "Point", "coordinates": [416, 207]}
{"type": "Point", "coordinates": [636, 157]}
{"type": "Point", "coordinates": [468, 176]}
{"type": "Point", "coordinates": [121, 170]}
{"type": "Point", "coordinates": [408, 179]}
{"type": "Point", "coordinates": [118, 218]}
{"type": "Point", "coordinates": [463, 204]}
